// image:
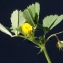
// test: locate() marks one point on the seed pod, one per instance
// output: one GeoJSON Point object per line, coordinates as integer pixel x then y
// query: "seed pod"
{"type": "Point", "coordinates": [59, 45]}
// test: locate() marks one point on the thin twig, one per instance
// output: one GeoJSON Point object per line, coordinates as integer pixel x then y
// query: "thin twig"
{"type": "Point", "coordinates": [54, 35]}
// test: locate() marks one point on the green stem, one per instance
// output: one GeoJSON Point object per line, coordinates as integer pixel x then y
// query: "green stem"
{"type": "Point", "coordinates": [34, 41]}
{"type": "Point", "coordinates": [37, 43]}
{"type": "Point", "coordinates": [54, 35]}
{"type": "Point", "coordinates": [46, 55]}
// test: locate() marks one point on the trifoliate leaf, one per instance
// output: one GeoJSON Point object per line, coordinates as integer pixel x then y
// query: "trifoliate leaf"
{"type": "Point", "coordinates": [3, 29]}
{"type": "Point", "coordinates": [17, 19]}
{"type": "Point", "coordinates": [51, 21]}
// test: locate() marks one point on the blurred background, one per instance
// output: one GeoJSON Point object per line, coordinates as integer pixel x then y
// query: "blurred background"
{"type": "Point", "coordinates": [18, 50]}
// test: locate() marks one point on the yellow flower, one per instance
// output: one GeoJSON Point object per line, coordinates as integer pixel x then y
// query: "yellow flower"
{"type": "Point", "coordinates": [26, 28]}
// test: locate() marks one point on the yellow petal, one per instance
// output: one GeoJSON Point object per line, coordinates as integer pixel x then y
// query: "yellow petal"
{"type": "Point", "coordinates": [26, 28]}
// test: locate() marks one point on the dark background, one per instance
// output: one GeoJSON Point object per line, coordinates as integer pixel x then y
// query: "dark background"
{"type": "Point", "coordinates": [17, 50]}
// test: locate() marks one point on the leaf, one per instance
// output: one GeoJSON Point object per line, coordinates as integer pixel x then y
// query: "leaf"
{"type": "Point", "coordinates": [28, 17]}
{"type": "Point", "coordinates": [31, 14]}
{"type": "Point", "coordinates": [21, 18]}
{"type": "Point", "coordinates": [48, 20]}
{"type": "Point", "coordinates": [14, 19]}
{"type": "Point", "coordinates": [3, 29]}
{"type": "Point", "coordinates": [31, 10]}
{"type": "Point", "coordinates": [37, 10]}
{"type": "Point", "coordinates": [17, 19]}
{"type": "Point", "coordinates": [52, 20]}
{"type": "Point", "coordinates": [59, 19]}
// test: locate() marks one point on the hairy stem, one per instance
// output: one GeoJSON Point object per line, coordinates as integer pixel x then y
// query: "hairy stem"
{"type": "Point", "coordinates": [40, 46]}
{"type": "Point", "coordinates": [33, 41]}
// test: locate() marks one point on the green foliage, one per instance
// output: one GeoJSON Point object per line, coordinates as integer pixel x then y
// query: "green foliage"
{"type": "Point", "coordinates": [57, 21]}
{"type": "Point", "coordinates": [3, 29]}
{"type": "Point", "coordinates": [17, 20]}
{"type": "Point", "coordinates": [21, 18]}
{"type": "Point", "coordinates": [28, 17]}
{"type": "Point", "coordinates": [48, 20]}
{"type": "Point", "coordinates": [31, 14]}
{"type": "Point", "coordinates": [51, 21]}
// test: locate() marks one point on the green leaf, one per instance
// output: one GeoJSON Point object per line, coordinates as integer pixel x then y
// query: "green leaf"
{"type": "Point", "coordinates": [59, 19]}
{"type": "Point", "coordinates": [51, 21]}
{"type": "Point", "coordinates": [19, 29]}
{"type": "Point", "coordinates": [17, 19]}
{"type": "Point", "coordinates": [21, 18]}
{"type": "Point", "coordinates": [14, 19]}
{"type": "Point", "coordinates": [31, 14]}
{"type": "Point", "coordinates": [48, 20]}
{"type": "Point", "coordinates": [3, 29]}
{"type": "Point", "coordinates": [37, 10]}
{"type": "Point", "coordinates": [31, 10]}
{"type": "Point", "coordinates": [28, 17]}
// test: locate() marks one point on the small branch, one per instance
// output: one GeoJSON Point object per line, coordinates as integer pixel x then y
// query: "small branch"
{"type": "Point", "coordinates": [50, 36]}
{"type": "Point", "coordinates": [59, 32]}
{"type": "Point", "coordinates": [57, 38]}
{"type": "Point", "coordinates": [33, 41]}
{"type": "Point", "coordinates": [55, 34]}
